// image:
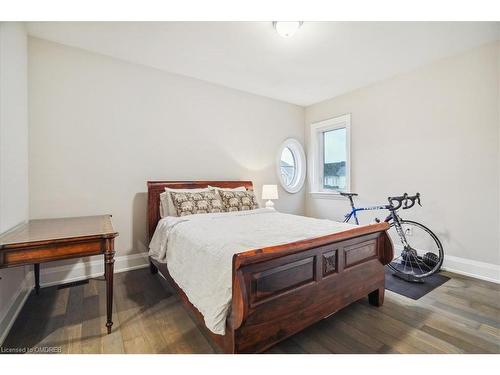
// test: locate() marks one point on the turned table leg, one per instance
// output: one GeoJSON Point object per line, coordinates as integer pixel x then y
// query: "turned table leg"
{"type": "Point", "coordinates": [36, 270]}
{"type": "Point", "coordinates": [105, 269]}
{"type": "Point", "coordinates": [108, 274]}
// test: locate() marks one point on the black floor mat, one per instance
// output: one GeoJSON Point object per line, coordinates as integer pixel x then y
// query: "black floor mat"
{"type": "Point", "coordinates": [412, 290]}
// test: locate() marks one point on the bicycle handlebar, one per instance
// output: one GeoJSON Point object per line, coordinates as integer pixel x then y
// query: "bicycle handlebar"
{"type": "Point", "coordinates": [413, 199]}
{"type": "Point", "coordinates": [403, 201]}
{"type": "Point", "coordinates": [399, 201]}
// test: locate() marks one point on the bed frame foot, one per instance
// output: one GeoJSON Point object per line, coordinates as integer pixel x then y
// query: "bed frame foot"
{"type": "Point", "coordinates": [152, 268]}
{"type": "Point", "coordinates": [376, 298]}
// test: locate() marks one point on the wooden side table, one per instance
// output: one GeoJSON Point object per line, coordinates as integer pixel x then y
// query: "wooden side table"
{"type": "Point", "coordinates": [47, 240]}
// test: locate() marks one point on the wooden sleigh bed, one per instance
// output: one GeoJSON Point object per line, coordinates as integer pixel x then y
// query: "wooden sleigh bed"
{"type": "Point", "coordinates": [280, 290]}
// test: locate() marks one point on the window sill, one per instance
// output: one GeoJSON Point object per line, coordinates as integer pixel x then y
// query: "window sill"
{"type": "Point", "coordinates": [325, 195]}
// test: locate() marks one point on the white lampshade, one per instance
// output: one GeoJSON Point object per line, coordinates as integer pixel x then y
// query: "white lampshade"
{"type": "Point", "coordinates": [270, 192]}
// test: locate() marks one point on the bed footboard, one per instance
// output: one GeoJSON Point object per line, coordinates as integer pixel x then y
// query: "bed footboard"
{"type": "Point", "coordinates": [278, 291]}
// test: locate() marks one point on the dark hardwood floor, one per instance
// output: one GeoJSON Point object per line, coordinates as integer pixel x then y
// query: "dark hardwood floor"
{"type": "Point", "coordinates": [461, 316]}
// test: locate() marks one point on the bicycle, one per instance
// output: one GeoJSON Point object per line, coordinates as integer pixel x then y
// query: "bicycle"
{"type": "Point", "coordinates": [421, 252]}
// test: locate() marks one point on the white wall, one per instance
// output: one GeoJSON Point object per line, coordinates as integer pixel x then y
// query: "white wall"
{"type": "Point", "coordinates": [14, 126]}
{"type": "Point", "coordinates": [100, 128]}
{"type": "Point", "coordinates": [434, 130]}
{"type": "Point", "coordinates": [13, 157]}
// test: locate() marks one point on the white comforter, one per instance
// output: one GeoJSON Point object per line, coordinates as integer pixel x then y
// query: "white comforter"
{"type": "Point", "coordinates": [199, 249]}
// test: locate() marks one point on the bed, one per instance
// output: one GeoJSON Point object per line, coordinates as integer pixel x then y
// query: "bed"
{"type": "Point", "coordinates": [274, 291]}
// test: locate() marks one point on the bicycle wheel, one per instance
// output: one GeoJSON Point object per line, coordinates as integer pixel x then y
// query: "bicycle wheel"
{"type": "Point", "coordinates": [422, 257]}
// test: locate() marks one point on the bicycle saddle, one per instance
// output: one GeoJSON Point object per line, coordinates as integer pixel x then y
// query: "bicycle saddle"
{"type": "Point", "coordinates": [349, 194]}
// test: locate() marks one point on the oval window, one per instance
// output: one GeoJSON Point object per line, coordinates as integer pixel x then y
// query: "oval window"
{"type": "Point", "coordinates": [291, 165]}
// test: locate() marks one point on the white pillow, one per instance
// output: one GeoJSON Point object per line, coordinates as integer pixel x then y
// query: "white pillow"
{"type": "Point", "coordinates": [167, 207]}
{"type": "Point", "coordinates": [239, 188]}
{"type": "Point", "coordinates": [163, 204]}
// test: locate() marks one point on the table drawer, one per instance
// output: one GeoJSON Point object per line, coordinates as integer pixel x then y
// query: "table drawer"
{"type": "Point", "coordinates": [53, 252]}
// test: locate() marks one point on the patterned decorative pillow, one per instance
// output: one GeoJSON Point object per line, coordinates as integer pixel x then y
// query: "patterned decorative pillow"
{"type": "Point", "coordinates": [196, 203]}
{"type": "Point", "coordinates": [238, 200]}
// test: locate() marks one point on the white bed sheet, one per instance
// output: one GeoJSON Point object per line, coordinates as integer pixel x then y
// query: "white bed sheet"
{"type": "Point", "coordinates": [198, 250]}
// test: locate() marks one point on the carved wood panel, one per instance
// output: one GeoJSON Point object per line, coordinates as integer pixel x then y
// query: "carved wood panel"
{"type": "Point", "coordinates": [330, 262]}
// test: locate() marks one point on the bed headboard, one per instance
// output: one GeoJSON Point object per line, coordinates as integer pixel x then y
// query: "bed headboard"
{"type": "Point", "coordinates": [155, 188]}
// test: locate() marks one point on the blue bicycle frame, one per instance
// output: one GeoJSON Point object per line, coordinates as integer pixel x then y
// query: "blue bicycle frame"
{"type": "Point", "coordinates": [355, 210]}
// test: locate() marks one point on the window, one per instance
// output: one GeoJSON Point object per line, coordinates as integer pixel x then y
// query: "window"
{"type": "Point", "coordinates": [291, 165]}
{"type": "Point", "coordinates": [330, 144]}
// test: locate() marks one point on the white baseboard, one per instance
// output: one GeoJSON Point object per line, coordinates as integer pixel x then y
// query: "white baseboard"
{"type": "Point", "coordinates": [15, 304]}
{"type": "Point", "coordinates": [50, 276]}
{"type": "Point", "coordinates": [84, 270]}
{"type": "Point", "coordinates": [473, 268]}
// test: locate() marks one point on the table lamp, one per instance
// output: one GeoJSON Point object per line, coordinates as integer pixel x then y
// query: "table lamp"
{"type": "Point", "coordinates": [269, 192]}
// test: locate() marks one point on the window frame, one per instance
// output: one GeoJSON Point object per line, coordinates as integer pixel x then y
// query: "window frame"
{"type": "Point", "coordinates": [316, 167]}
{"type": "Point", "coordinates": [299, 156]}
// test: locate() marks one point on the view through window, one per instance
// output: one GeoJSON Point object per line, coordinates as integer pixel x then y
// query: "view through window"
{"type": "Point", "coordinates": [335, 159]}
{"type": "Point", "coordinates": [287, 166]}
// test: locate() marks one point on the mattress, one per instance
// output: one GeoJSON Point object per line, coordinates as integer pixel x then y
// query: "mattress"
{"type": "Point", "coordinates": [198, 250]}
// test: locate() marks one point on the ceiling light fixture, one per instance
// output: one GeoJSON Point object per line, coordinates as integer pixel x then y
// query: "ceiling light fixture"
{"type": "Point", "coordinates": [288, 28]}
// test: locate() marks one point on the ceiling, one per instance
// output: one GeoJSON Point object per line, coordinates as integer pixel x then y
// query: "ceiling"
{"type": "Point", "coordinates": [322, 60]}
